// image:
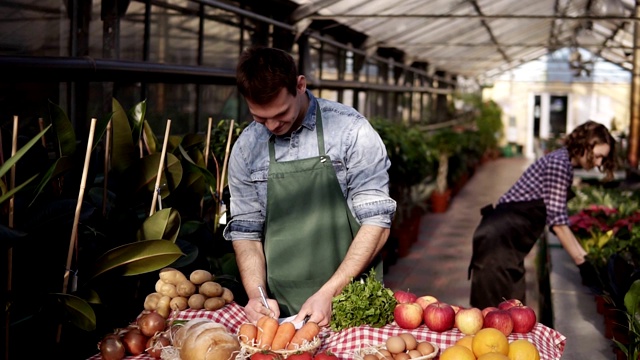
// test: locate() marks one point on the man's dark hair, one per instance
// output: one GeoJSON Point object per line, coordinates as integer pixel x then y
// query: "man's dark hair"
{"type": "Point", "coordinates": [262, 72]}
{"type": "Point", "coordinates": [582, 140]}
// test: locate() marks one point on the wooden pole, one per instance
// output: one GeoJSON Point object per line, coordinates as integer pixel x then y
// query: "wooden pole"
{"type": "Point", "coordinates": [107, 167]}
{"type": "Point", "coordinates": [156, 189]}
{"type": "Point", "coordinates": [12, 184]}
{"type": "Point", "coordinates": [41, 125]}
{"type": "Point", "coordinates": [206, 158]}
{"type": "Point", "coordinates": [224, 164]}
{"type": "Point", "coordinates": [76, 219]}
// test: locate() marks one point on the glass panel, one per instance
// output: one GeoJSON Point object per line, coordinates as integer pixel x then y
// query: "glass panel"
{"type": "Point", "coordinates": [171, 101]}
{"type": "Point", "coordinates": [221, 39]}
{"type": "Point", "coordinates": [174, 37]}
{"type": "Point", "coordinates": [132, 33]}
{"type": "Point", "coordinates": [34, 30]}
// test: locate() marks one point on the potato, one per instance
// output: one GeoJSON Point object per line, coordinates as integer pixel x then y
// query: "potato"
{"type": "Point", "coordinates": [169, 290]}
{"type": "Point", "coordinates": [151, 301]}
{"type": "Point", "coordinates": [186, 288]}
{"type": "Point", "coordinates": [159, 284]}
{"type": "Point", "coordinates": [200, 276]}
{"type": "Point", "coordinates": [214, 303]}
{"type": "Point", "coordinates": [172, 276]}
{"type": "Point", "coordinates": [179, 303]}
{"type": "Point", "coordinates": [227, 295]}
{"type": "Point", "coordinates": [210, 289]}
{"type": "Point", "coordinates": [164, 306]}
{"type": "Point", "coordinates": [196, 301]}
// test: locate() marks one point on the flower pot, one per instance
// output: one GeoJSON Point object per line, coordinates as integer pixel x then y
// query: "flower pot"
{"type": "Point", "coordinates": [615, 324]}
{"type": "Point", "coordinates": [440, 201]}
{"type": "Point", "coordinates": [408, 232]}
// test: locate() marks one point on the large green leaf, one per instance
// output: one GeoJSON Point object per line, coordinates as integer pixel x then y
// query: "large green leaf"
{"type": "Point", "coordinates": [80, 312]}
{"type": "Point", "coordinates": [123, 154]}
{"type": "Point", "coordinates": [61, 165]}
{"type": "Point", "coordinates": [10, 193]}
{"type": "Point", "coordinates": [138, 258]}
{"type": "Point", "coordinates": [101, 128]}
{"type": "Point", "coordinates": [632, 298]}
{"type": "Point", "coordinates": [20, 153]}
{"type": "Point", "coordinates": [151, 139]}
{"type": "Point", "coordinates": [164, 224]}
{"type": "Point", "coordinates": [147, 170]}
{"type": "Point", "coordinates": [63, 129]}
{"type": "Point", "coordinates": [194, 166]}
{"type": "Point", "coordinates": [136, 118]}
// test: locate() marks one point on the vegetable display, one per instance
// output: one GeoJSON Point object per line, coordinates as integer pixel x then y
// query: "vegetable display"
{"type": "Point", "coordinates": [363, 302]}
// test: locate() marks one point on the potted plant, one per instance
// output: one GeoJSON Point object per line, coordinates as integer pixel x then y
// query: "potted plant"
{"type": "Point", "coordinates": [442, 144]}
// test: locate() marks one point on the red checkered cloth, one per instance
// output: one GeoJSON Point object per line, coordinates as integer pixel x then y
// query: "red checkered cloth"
{"type": "Point", "coordinates": [346, 343]}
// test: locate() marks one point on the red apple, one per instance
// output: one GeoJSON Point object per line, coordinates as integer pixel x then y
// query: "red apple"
{"type": "Point", "coordinates": [524, 318]}
{"type": "Point", "coordinates": [499, 319]}
{"type": "Point", "coordinates": [469, 320]}
{"type": "Point", "coordinates": [408, 315]}
{"type": "Point", "coordinates": [403, 297]}
{"type": "Point", "coordinates": [504, 305]}
{"type": "Point", "coordinates": [426, 300]}
{"type": "Point", "coordinates": [487, 309]}
{"type": "Point", "coordinates": [439, 317]}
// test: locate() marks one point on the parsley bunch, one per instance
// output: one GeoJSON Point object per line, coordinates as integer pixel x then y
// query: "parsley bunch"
{"type": "Point", "coordinates": [363, 302]}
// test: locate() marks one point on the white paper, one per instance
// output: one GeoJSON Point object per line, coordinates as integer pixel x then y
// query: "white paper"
{"type": "Point", "coordinates": [297, 325]}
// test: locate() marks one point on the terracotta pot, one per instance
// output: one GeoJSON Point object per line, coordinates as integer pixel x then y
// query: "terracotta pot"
{"type": "Point", "coordinates": [616, 324]}
{"type": "Point", "coordinates": [440, 201]}
{"type": "Point", "coordinates": [408, 232]}
{"type": "Point", "coordinates": [601, 302]}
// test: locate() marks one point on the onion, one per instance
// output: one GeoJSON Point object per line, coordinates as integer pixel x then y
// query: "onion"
{"type": "Point", "coordinates": [156, 343]}
{"type": "Point", "coordinates": [151, 323]}
{"type": "Point", "coordinates": [134, 341]}
{"type": "Point", "coordinates": [111, 348]}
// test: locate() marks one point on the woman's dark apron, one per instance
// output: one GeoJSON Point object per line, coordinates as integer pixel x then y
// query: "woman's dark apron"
{"type": "Point", "coordinates": [503, 239]}
{"type": "Point", "coordinates": [309, 226]}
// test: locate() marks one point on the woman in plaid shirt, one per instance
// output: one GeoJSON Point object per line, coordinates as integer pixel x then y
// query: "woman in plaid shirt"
{"type": "Point", "coordinates": [507, 232]}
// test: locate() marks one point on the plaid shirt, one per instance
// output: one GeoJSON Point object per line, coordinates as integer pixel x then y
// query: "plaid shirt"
{"type": "Point", "coordinates": [549, 179]}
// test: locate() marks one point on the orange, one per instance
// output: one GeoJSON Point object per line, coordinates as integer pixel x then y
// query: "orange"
{"type": "Point", "coordinates": [457, 352]}
{"type": "Point", "coordinates": [523, 349]}
{"type": "Point", "coordinates": [489, 340]}
{"type": "Point", "coordinates": [465, 341]}
{"type": "Point", "coordinates": [493, 356]}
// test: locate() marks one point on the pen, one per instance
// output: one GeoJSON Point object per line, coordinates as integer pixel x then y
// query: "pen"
{"type": "Point", "coordinates": [264, 298]}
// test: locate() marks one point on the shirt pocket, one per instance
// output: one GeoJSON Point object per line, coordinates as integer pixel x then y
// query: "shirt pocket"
{"type": "Point", "coordinates": [341, 174]}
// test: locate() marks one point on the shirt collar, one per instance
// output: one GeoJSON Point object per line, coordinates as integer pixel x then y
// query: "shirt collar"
{"type": "Point", "coordinates": [309, 121]}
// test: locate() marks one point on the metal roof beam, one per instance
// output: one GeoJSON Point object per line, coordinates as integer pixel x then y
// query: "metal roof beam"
{"type": "Point", "coordinates": [490, 32]}
{"type": "Point", "coordinates": [471, 16]}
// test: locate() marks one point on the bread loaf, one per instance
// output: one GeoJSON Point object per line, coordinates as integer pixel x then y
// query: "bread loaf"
{"type": "Point", "coordinates": [203, 339]}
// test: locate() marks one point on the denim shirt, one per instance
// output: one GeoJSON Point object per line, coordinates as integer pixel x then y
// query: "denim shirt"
{"type": "Point", "coordinates": [358, 155]}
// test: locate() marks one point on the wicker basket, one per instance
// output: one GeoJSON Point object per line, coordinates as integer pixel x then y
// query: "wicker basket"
{"type": "Point", "coordinates": [247, 350]}
{"type": "Point", "coordinates": [375, 349]}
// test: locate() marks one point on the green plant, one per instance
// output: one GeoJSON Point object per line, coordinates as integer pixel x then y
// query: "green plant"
{"type": "Point", "coordinates": [631, 302]}
{"type": "Point", "coordinates": [443, 143]}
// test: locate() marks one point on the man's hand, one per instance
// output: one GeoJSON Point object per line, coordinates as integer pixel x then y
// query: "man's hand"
{"type": "Point", "coordinates": [255, 309]}
{"type": "Point", "coordinates": [318, 306]}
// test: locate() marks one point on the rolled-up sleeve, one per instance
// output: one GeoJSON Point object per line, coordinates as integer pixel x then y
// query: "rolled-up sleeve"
{"type": "Point", "coordinates": [367, 169]}
{"type": "Point", "coordinates": [557, 180]}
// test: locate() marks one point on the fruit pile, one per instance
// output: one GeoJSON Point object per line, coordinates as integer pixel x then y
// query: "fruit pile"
{"type": "Point", "coordinates": [490, 344]}
{"type": "Point", "coordinates": [174, 291]}
{"type": "Point", "coordinates": [509, 316]}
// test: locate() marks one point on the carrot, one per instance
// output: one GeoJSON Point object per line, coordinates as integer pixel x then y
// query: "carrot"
{"type": "Point", "coordinates": [284, 334]}
{"type": "Point", "coordinates": [247, 333]}
{"type": "Point", "coordinates": [266, 331]}
{"type": "Point", "coordinates": [306, 333]}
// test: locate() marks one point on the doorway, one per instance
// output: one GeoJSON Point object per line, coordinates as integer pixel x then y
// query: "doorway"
{"type": "Point", "coordinates": [557, 116]}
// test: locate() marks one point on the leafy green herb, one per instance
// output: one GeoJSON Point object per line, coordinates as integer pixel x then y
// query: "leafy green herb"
{"type": "Point", "coordinates": [363, 302]}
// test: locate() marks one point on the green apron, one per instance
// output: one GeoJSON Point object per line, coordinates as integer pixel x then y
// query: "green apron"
{"type": "Point", "coordinates": [308, 226]}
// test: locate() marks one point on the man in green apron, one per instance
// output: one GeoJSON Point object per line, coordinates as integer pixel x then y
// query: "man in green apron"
{"type": "Point", "coordinates": [310, 206]}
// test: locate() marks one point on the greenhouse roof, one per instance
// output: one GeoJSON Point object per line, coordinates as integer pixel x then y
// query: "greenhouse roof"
{"type": "Point", "coordinates": [480, 39]}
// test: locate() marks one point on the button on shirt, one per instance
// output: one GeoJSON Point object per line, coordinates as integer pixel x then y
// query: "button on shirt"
{"type": "Point", "coordinates": [549, 179]}
{"type": "Point", "coordinates": [357, 153]}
